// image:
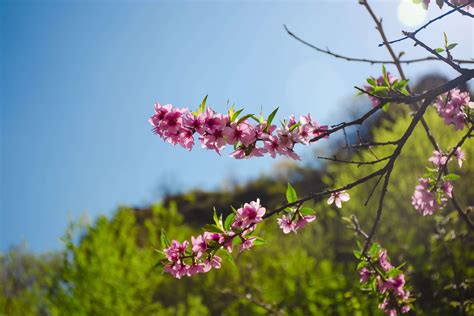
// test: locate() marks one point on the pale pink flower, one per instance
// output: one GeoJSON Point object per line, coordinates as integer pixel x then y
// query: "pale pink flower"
{"type": "Point", "coordinates": [364, 274]}
{"type": "Point", "coordinates": [250, 213]}
{"type": "Point", "coordinates": [439, 159]}
{"type": "Point", "coordinates": [448, 188]}
{"type": "Point", "coordinates": [451, 107]}
{"type": "Point", "coordinates": [247, 244]}
{"type": "Point", "coordinates": [460, 156]}
{"type": "Point", "coordinates": [339, 197]}
{"type": "Point", "coordinates": [286, 224]}
{"type": "Point", "coordinates": [383, 261]}
{"type": "Point", "coordinates": [199, 245]}
{"type": "Point", "coordinates": [423, 199]}
{"type": "Point", "coordinates": [302, 221]}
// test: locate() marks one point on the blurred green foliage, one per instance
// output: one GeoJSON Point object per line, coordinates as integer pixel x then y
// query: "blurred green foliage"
{"type": "Point", "coordinates": [107, 268]}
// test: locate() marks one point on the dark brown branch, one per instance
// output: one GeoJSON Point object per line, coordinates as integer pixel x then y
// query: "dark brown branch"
{"type": "Point", "coordinates": [389, 167]}
{"type": "Point", "coordinates": [359, 163]}
{"type": "Point", "coordinates": [458, 9]}
{"type": "Point", "coordinates": [461, 212]}
{"type": "Point", "coordinates": [432, 51]}
{"type": "Point", "coordinates": [426, 24]}
{"type": "Point", "coordinates": [365, 60]}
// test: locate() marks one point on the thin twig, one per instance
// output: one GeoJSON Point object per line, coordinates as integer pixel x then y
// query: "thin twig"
{"type": "Point", "coordinates": [432, 51]}
{"type": "Point", "coordinates": [365, 60]}
{"type": "Point", "coordinates": [458, 9]}
{"type": "Point", "coordinates": [426, 24]}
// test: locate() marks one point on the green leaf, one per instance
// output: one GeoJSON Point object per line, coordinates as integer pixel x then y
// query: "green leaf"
{"type": "Point", "coordinates": [202, 107]}
{"type": "Point", "coordinates": [306, 211]}
{"type": "Point", "coordinates": [451, 177]}
{"type": "Point", "coordinates": [451, 46]}
{"type": "Point", "coordinates": [439, 50]}
{"type": "Point", "coordinates": [243, 118]}
{"type": "Point", "coordinates": [258, 241]}
{"type": "Point", "coordinates": [228, 221]}
{"type": "Point", "coordinates": [236, 115]}
{"type": "Point", "coordinates": [294, 126]}
{"type": "Point", "coordinates": [379, 89]}
{"type": "Point", "coordinates": [357, 254]}
{"type": "Point", "coordinates": [291, 194]}
{"type": "Point", "coordinates": [445, 36]}
{"type": "Point", "coordinates": [374, 250]}
{"type": "Point", "coordinates": [270, 119]}
{"type": "Point", "coordinates": [212, 228]}
{"type": "Point", "coordinates": [361, 264]}
{"type": "Point", "coordinates": [164, 239]}
{"type": "Point", "coordinates": [386, 106]}
{"type": "Point", "coordinates": [227, 256]}
{"type": "Point", "coordinates": [371, 81]}
{"type": "Point", "coordinates": [233, 209]}
{"type": "Point", "coordinates": [215, 218]}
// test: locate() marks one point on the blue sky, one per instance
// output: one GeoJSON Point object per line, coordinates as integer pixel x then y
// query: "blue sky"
{"type": "Point", "coordinates": [79, 79]}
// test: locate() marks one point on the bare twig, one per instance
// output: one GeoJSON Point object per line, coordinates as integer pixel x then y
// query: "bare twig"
{"type": "Point", "coordinates": [365, 60]}
{"type": "Point", "coordinates": [458, 9]}
{"type": "Point", "coordinates": [432, 51]}
{"type": "Point", "coordinates": [426, 24]}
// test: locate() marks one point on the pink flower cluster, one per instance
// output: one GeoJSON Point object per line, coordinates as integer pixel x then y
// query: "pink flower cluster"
{"type": "Point", "coordinates": [338, 197]}
{"type": "Point", "coordinates": [185, 259]}
{"type": "Point", "coordinates": [294, 221]}
{"type": "Point", "coordinates": [430, 193]}
{"type": "Point", "coordinates": [453, 108]}
{"type": "Point", "coordinates": [380, 82]}
{"type": "Point", "coordinates": [178, 126]}
{"type": "Point", "coordinates": [392, 287]}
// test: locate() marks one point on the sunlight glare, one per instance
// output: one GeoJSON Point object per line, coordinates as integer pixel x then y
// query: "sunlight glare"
{"type": "Point", "coordinates": [411, 14]}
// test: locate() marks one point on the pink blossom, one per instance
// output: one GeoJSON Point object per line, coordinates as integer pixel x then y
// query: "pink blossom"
{"type": "Point", "coordinates": [286, 224]}
{"type": "Point", "coordinates": [178, 126]}
{"type": "Point", "coordinates": [195, 122]}
{"type": "Point", "coordinates": [387, 307]}
{"type": "Point", "coordinates": [338, 197]}
{"type": "Point", "coordinates": [199, 245]}
{"type": "Point", "coordinates": [460, 156]}
{"type": "Point", "coordinates": [380, 82]}
{"type": "Point", "coordinates": [247, 244]}
{"type": "Point", "coordinates": [448, 188]}
{"type": "Point", "coordinates": [423, 199]}
{"type": "Point", "coordinates": [302, 221]}
{"type": "Point", "coordinates": [439, 159]}
{"type": "Point", "coordinates": [215, 237]}
{"type": "Point", "coordinates": [451, 107]}
{"type": "Point", "coordinates": [250, 213]}
{"type": "Point", "coordinates": [213, 121]}
{"type": "Point", "coordinates": [175, 250]}
{"type": "Point", "coordinates": [383, 261]}
{"type": "Point", "coordinates": [364, 274]}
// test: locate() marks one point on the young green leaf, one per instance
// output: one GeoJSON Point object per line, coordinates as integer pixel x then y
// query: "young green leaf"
{"type": "Point", "coordinates": [451, 46]}
{"type": "Point", "coordinates": [306, 211]}
{"type": "Point", "coordinates": [228, 221]}
{"type": "Point", "coordinates": [164, 239]}
{"type": "Point", "coordinates": [212, 228]}
{"type": "Point", "coordinates": [291, 194]}
{"type": "Point", "coordinates": [202, 107]}
{"type": "Point", "coordinates": [270, 119]}
{"type": "Point", "coordinates": [227, 256]}
{"type": "Point", "coordinates": [258, 241]}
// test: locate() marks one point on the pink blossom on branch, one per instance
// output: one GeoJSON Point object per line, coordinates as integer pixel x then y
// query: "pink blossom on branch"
{"type": "Point", "coordinates": [453, 108]}
{"type": "Point", "coordinates": [216, 131]}
{"type": "Point", "coordinates": [339, 197]}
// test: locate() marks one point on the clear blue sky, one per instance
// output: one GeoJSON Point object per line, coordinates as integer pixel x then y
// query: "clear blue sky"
{"type": "Point", "coordinates": [79, 79]}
